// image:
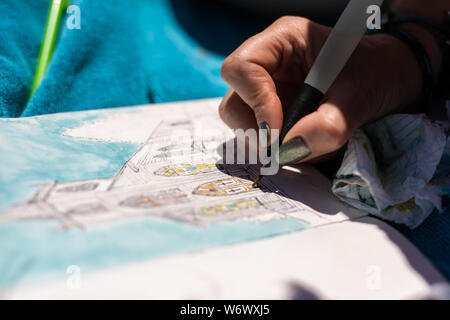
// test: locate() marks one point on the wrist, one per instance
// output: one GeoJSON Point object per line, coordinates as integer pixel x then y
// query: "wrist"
{"type": "Point", "coordinates": [400, 76]}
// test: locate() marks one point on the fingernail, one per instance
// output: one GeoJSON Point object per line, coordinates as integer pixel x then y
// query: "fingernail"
{"type": "Point", "coordinates": [265, 126]}
{"type": "Point", "coordinates": [293, 151]}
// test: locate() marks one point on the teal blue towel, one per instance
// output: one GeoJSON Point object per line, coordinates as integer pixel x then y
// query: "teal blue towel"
{"type": "Point", "coordinates": [126, 53]}
{"type": "Point", "coordinates": [21, 27]}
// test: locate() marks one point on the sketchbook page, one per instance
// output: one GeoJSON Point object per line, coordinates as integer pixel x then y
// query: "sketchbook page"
{"type": "Point", "coordinates": [358, 259]}
{"type": "Point", "coordinates": [98, 189]}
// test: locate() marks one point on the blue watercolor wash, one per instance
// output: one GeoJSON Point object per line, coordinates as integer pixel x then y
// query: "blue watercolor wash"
{"type": "Point", "coordinates": [34, 151]}
{"type": "Point", "coordinates": [40, 252]}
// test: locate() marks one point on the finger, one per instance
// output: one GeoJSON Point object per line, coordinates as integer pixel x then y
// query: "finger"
{"type": "Point", "coordinates": [248, 70]}
{"type": "Point", "coordinates": [257, 89]}
{"type": "Point", "coordinates": [235, 112]}
{"type": "Point", "coordinates": [238, 115]}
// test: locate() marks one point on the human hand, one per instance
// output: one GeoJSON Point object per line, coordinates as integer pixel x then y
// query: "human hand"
{"type": "Point", "coordinates": [266, 71]}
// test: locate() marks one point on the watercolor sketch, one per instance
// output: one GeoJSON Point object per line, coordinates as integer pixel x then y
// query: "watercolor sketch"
{"type": "Point", "coordinates": [184, 192]}
{"type": "Point", "coordinates": [103, 188]}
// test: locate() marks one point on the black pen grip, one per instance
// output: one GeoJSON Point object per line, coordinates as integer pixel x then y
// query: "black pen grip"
{"type": "Point", "coordinates": [306, 102]}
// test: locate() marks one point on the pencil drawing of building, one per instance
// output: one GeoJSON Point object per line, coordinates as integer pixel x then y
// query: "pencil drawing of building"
{"type": "Point", "coordinates": [164, 178]}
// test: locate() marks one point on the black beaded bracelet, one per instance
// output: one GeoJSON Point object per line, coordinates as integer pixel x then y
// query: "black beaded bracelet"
{"type": "Point", "coordinates": [421, 56]}
{"type": "Point", "coordinates": [440, 31]}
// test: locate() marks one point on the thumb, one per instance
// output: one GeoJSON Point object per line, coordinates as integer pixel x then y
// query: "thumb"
{"type": "Point", "coordinates": [317, 134]}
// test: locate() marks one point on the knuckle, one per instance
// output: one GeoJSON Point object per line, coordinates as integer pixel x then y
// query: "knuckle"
{"type": "Point", "coordinates": [230, 68]}
{"type": "Point", "coordinates": [286, 20]}
{"type": "Point", "coordinates": [294, 29]}
{"type": "Point", "coordinates": [292, 21]}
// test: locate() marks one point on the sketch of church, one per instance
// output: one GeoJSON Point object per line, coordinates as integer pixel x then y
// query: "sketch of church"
{"type": "Point", "coordinates": [167, 178]}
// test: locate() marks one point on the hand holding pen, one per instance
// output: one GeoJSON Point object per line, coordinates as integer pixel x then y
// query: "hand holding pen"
{"type": "Point", "coordinates": [267, 71]}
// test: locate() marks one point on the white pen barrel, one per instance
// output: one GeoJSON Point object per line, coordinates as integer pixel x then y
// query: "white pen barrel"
{"type": "Point", "coordinates": [342, 41]}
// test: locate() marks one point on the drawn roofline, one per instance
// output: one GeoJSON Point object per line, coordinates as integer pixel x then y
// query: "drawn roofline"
{"type": "Point", "coordinates": [44, 191]}
{"type": "Point", "coordinates": [126, 164]}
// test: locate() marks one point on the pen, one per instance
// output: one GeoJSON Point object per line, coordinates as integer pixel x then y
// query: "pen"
{"type": "Point", "coordinates": [333, 56]}
{"type": "Point", "coordinates": [48, 42]}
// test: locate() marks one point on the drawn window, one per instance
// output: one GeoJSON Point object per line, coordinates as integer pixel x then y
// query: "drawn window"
{"type": "Point", "coordinates": [235, 190]}
{"type": "Point", "coordinates": [224, 183]}
{"type": "Point", "coordinates": [89, 186]}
